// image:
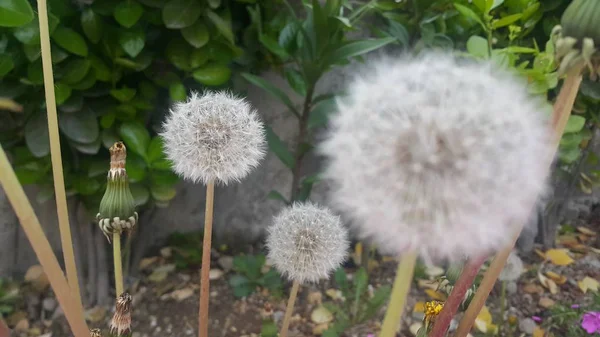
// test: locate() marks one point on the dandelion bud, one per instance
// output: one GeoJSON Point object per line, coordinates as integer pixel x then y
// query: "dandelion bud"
{"type": "Point", "coordinates": [437, 155]}
{"type": "Point", "coordinates": [306, 242]}
{"type": "Point", "coordinates": [578, 36]}
{"type": "Point", "coordinates": [117, 208]}
{"type": "Point", "coordinates": [120, 325]}
{"type": "Point", "coordinates": [214, 137]}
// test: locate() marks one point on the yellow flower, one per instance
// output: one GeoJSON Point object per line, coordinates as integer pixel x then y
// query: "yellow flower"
{"type": "Point", "coordinates": [432, 309]}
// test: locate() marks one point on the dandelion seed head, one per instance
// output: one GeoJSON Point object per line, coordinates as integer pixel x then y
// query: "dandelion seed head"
{"type": "Point", "coordinates": [307, 242]}
{"type": "Point", "coordinates": [214, 136]}
{"type": "Point", "coordinates": [438, 155]}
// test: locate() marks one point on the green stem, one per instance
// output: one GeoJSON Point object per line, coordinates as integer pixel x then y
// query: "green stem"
{"type": "Point", "coordinates": [502, 307]}
{"type": "Point", "coordinates": [118, 263]}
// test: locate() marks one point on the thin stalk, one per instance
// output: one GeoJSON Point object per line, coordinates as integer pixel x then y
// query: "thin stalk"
{"type": "Point", "coordinates": [118, 264]}
{"type": "Point", "coordinates": [57, 168]}
{"type": "Point", "coordinates": [289, 309]}
{"type": "Point", "coordinates": [560, 115]}
{"type": "Point", "coordinates": [4, 330]}
{"type": "Point", "coordinates": [205, 269]}
{"type": "Point", "coordinates": [302, 134]}
{"type": "Point", "coordinates": [457, 296]}
{"type": "Point", "coordinates": [402, 283]}
{"type": "Point", "coordinates": [502, 307]}
{"type": "Point", "coordinates": [35, 234]}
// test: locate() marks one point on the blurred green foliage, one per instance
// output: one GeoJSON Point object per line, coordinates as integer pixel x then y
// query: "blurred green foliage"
{"type": "Point", "coordinates": [251, 275]}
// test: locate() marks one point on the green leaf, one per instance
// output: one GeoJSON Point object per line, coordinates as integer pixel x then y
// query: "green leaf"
{"type": "Point", "coordinates": [288, 36]}
{"type": "Point", "coordinates": [92, 25]}
{"type": "Point", "coordinates": [140, 193]}
{"type": "Point", "coordinates": [178, 53]}
{"type": "Point", "coordinates": [271, 89]}
{"type": "Point", "coordinates": [76, 70]}
{"type": "Point", "coordinates": [36, 135]}
{"type": "Point", "coordinates": [6, 64]}
{"type": "Point", "coordinates": [478, 46]}
{"type": "Point", "coordinates": [197, 34]}
{"type": "Point", "coordinates": [128, 12]}
{"type": "Point", "coordinates": [177, 92]}
{"type": "Point", "coordinates": [468, 13]}
{"type": "Point", "coordinates": [132, 41]}
{"type": "Point", "coordinates": [32, 52]}
{"type": "Point", "coordinates": [273, 46]}
{"type": "Point", "coordinates": [125, 94]}
{"type": "Point", "coordinates": [574, 124]}
{"type": "Point", "coordinates": [167, 178]}
{"type": "Point", "coordinates": [81, 127]}
{"type": "Point", "coordinates": [155, 150]}
{"type": "Point", "coordinates": [361, 281]}
{"type": "Point", "coordinates": [342, 281]}
{"type": "Point", "coordinates": [163, 192]}
{"type": "Point", "coordinates": [70, 40]}
{"type": "Point", "coordinates": [505, 21]}
{"type": "Point", "coordinates": [274, 195]}
{"type": "Point", "coordinates": [15, 13]}
{"type": "Point", "coordinates": [569, 155]}
{"type": "Point", "coordinates": [357, 48]}
{"type": "Point", "coordinates": [223, 26]}
{"type": "Point", "coordinates": [319, 116]}
{"type": "Point", "coordinates": [87, 82]}
{"type": "Point", "coordinates": [62, 92]}
{"type": "Point", "coordinates": [35, 73]}
{"type": "Point", "coordinates": [198, 58]}
{"type": "Point", "coordinates": [179, 14]}
{"type": "Point", "coordinates": [136, 137]}
{"type": "Point", "coordinates": [136, 168]}
{"type": "Point", "coordinates": [296, 81]}
{"type": "Point", "coordinates": [280, 149]}
{"type": "Point", "coordinates": [101, 70]}
{"type": "Point", "coordinates": [212, 74]}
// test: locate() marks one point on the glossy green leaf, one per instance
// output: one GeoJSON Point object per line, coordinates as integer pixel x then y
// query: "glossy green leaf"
{"type": "Point", "coordinates": [6, 64]}
{"type": "Point", "coordinates": [87, 82]}
{"type": "Point", "coordinates": [198, 58]}
{"type": "Point", "coordinates": [178, 53]}
{"type": "Point", "coordinates": [62, 92]}
{"type": "Point", "coordinates": [288, 37]}
{"type": "Point", "coordinates": [35, 73]}
{"type": "Point", "coordinates": [163, 192]}
{"type": "Point", "coordinates": [478, 46]}
{"type": "Point", "coordinates": [36, 135]}
{"type": "Point", "coordinates": [574, 124]}
{"type": "Point", "coordinates": [70, 40]}
{"type": "Point", "coordinates": [76, 70]}
{"type": "Point", "coordinates": [92, 25]}
{"type": "Point", "coordinates": [136, 137]}
{"type": "Point", "coordinates": [109, 137]}
{"type": "Point", "coordinates": [277, 146]}
{"type": "Point", "coordinates": [32, 52]}
{"type": "Point", "coordinates": [197, 34]}
{"type": "Point", "coordinates": [107, 120]}
{"type": "Point", "coordinates": [125, 94]}
{"type": "Point", "coordinates": [273, 46]}
{"type": "Point", "coordinates": [81, 127]}
{"type": "Point", "coordinates": [140, 193]}
{"type": "Point", "coordinates": [89, 148]}
{"type": "Point", "coordinates": [505, 21]}
{"type": "Point", "coordinates": [155, 150]}
{"type": "Point", "coordinates": [177, 92]}
{"type": "Point", "coordinates": [296, 81]}
{"type": "Point", "coordinates": [319, 116]}
{"type": "Point", "coordinates": [357, 48]}
{"type": "Point", "coordinates": [179, 14]}
{"type": "Point", "coordinates": [469, 13]}
{"type": "Point", "coordinates": [164, 178]}
{"type": "Point", "coordinates": [271, 89]}
{"type": "Point", "coordinates": [101, 70]}
{"type": "Point", "coordinates": [223, 26]}
{"type": "Point", "coordinates": [15, 13]}
{"type": "Point", "coordinates": [136, 168]}
{"type": "Point", "coordinates": [132, 41]}
{"type": "Point", "coordinates": [128, 12]}
{"type": "Point", "coordinates": [212, 74]}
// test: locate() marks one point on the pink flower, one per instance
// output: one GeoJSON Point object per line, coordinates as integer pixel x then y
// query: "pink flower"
{"type": "Point", "coordinates": [575, 306]}
{"type": "Point", "coordinates": [591, 322]}
{"type": "Point", "coordinates": [536, 318]}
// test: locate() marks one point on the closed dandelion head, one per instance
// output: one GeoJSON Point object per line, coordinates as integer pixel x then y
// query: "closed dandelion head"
{"type": "Point", "coordinates": [214, 137]}
{"type": "Point", "coordinates": [121, 320]}
{"type": "Point", "coordinates": [438, 155]}
{"type": "Point", "coordinates": [306, 242]}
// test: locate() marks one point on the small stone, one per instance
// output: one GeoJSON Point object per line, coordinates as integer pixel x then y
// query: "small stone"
{"type": "Point", "coordinates": [414, 328]}
{"type": "Point", "coordinates": [147, 262]}
{"type": "Point", "coordinates": [22, 325]}
{"type": "Point", "coordinates": [546, 302]}
{"type": "Point", "coordinates": [49, 304]}
{"type": "Point", "coordinates": [166, 252]}
{"type": "Point", "coordinates": [182, 294]}
{"type": "Point", "coordinates": [320, 328]}
{"type": "Point", "coordinates": [158, 276]}
{"type": "Point", "coordinates": [334, 294]}
{"type": "Point", "coordinates": [321, 315]}
{"type": "Point", "coordinates": [38, 279]}
{"type": "Point", "coordinates": [215, 274]}
{"type": "Point", "coordinates": [226, 262]}
{"type": "Point", "coordinates": [96, 314]}
{"type": "Point", "coordinates": [527, 325]}
{"type": "Point", "coordinates": [315, 297]}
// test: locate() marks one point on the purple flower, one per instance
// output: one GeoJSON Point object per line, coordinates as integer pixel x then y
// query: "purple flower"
{"type": "Point", "coordinates": [536, 318]}
{"type": "Point", "coordinates": [591, 322]}
{"type": "Point", "coordinates": [575, 306]}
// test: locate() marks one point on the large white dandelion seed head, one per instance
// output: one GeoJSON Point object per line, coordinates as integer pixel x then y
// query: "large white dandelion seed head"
{"type": "Point", "coordinates": [307, 242]}
{"type": "Point", "coordinates": [214, 136]}
{"type": "Point", "coordinates": [438, 155]}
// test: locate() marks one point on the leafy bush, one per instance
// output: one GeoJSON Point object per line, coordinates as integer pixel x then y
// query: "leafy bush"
{"type": "Point", "coordinates": [250, 276]}
{"type": "Point", "coordinates": [187, 249]}
{"type": "Point", "coordinates": [118, 65]}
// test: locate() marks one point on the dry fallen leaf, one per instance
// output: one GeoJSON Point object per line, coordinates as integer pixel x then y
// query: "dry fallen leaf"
{"type": "Point", "coordinates": [483, 322]}
{"type": "Point", "coordinates": [595, 250]}
{"type": "Point", "coordinates": [567, 240]}
{"type": "Point", "coordinates": [588, 283]}
{"type": "Point", "coordinates": [546, 302]}
{"type": "Point", "coordinates": [435, 295]}
{"type": "Point", "coordinates": [559, 257]}
{"type": "Point", "coordinates": [531, 288]}
{"type": "Point", "coordinates": [538, 332]}
{"type": "Point", "coordinates": [419, 307]}
{"type": "Point", "coordinates": [586, 231]}
{"type": "Point", "coordinates": [559, 279]}
{"type": "Point", "coordinates": [548, 283]}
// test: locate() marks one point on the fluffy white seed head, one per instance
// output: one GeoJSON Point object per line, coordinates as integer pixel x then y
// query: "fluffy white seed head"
{"type": "Point", "coordinates": [436, 154]}
{"type": "Point", "coordinates": [214, 136]}
{"type": "Point", "coordinates": [512, 269]}
{"type": "Point", "coordinates": [307, 242]}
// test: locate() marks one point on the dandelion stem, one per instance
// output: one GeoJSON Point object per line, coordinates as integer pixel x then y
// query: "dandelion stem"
{"type": "Point", "coordinates": [560, 115]}
{"type": "Point", "coordinates": [34, 232]}
{"type": "Point", "coordinates": [502, 307]}
{"type": "Point", "coordinates": [402, 283]}
{"type": "Point", "coordinates": [57, 168]}
{"type": "Point", "coordinates": [205, 269]}
{"type": "Point", "coordinates": [118, 263]}
{"type": "Point", "coordinates": [290, 309]}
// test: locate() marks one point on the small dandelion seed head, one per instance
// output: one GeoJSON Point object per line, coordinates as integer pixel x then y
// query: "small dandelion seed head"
{"type": "Point", "coordinates": [307, 242]}
{"type": "Point", "coordinates": [214, 136]}
{"type": "Point", "coordinates": [438, 155]}
{"type": "Point", "coordinates": [121, 320]}
{"type": "Point", "coordinates": [512, 269]}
